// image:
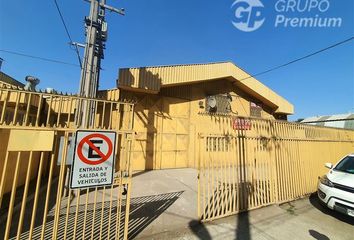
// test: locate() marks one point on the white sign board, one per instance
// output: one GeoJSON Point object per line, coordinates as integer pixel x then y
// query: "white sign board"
{"type": "Point", "coordinates": [93, 159]}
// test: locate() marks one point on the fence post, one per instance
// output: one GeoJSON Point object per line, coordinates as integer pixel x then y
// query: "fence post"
{"type": "Point", "coordinates": [275, 173]}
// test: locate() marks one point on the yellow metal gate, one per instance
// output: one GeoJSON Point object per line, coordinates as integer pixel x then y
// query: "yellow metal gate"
{"type": "Point", "coordinates": [256, 162]}
{"type": "Point", "coordinates": [162, 126]}
{"type": "Point", "coordinates": [36, 132]}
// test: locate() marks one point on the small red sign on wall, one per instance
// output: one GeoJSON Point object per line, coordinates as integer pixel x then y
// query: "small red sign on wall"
{"type": "Point", "coordinates": [241, 124]}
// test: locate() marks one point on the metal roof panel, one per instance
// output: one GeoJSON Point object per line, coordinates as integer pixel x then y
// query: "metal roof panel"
{"type": "Point", "coordinates": [152, 79]}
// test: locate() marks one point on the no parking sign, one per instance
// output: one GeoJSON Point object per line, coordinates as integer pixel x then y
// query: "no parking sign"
{"type": "Point", "coordinates": [93, 159]}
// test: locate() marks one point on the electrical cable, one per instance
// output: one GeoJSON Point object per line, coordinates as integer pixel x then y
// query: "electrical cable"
{"type": "Point", "coordinates": [40, 58]}
{"type": "Point", "coordinates": [299, 59]}
{"type": "Point", "coordinates": [67, 32]}
{"type": "Point", "coordinates": [254, 75]}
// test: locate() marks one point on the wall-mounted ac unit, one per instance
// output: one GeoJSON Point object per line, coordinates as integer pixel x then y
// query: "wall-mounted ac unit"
{"type": "Point", "coordinates": [218, 103]}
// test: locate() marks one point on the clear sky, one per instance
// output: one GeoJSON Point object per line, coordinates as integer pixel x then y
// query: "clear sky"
{"type": "Point", "coordinates": [161, 32]}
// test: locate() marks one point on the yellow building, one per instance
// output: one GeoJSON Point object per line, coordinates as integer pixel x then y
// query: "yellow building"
{"type": "Point", "coordinates": [171, 102]}
{"type": "Point", "coordinates": [9, 81]}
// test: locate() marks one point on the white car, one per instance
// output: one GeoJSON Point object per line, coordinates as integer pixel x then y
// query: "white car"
{"type": "Point", "coordinates": [336, 188]}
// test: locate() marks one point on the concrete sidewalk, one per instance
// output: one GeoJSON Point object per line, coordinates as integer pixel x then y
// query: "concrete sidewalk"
{"type": "Point", "coordinates": [302, 219]}
{"type": "Point", "coordinates": [170, 201]}
{"type": "Point", "coordinates": [172, 214]}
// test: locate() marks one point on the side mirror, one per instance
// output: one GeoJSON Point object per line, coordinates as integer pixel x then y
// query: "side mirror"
{"type": "Point", "coordinates": [329, 165]}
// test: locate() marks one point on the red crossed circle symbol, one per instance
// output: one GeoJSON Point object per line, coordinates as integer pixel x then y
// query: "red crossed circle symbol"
{"type": "Point", "coordinates": [86, 140]}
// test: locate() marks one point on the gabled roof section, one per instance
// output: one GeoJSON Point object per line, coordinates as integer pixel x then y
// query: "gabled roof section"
{"type": "Point", "coordinates": [4, 78]}
{"type": "Point", "coordinates": [152, 79]}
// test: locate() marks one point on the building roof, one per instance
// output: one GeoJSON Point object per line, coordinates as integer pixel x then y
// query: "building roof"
{"type": "Point", "coordinates": [337, 121]}
{"type": "Point", "coordinates": [152, 79]}
{"type": "Point", "coordinates": [4, 78]}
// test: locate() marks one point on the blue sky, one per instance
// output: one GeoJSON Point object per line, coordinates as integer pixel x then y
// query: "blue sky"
{"type": "Point", "coordinates": [160, 32]}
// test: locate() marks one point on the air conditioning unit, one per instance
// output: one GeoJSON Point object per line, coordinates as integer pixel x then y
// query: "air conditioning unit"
{"type": "Point", "coordinates": [211, 104]}
{"type": "Point", "coordinates": [219, 103]}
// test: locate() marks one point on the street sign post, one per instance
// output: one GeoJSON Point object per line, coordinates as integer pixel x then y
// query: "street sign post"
{"type": "Point", "coordinates": [93, 159]}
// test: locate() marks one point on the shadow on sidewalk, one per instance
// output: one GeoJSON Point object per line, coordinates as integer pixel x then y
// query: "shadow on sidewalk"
{"type": "Point", "coordinates": [317, 235]}
{"type": "Point", "coordinates": [318, 204]}
{"type": "Point", "coordinates": [100, 220]}
{"type": "Point", "coordinates": [199, 230]}
{"type": "Point", "coordinates": [144, 210]}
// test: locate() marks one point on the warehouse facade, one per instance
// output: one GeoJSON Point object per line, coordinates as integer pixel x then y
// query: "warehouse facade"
{"type": "Point", "coordinates": [212, 117]}
{"type": "Point", "coordinates": [172, 102]}
{"type": "Point", "coordinates": [172, 105]}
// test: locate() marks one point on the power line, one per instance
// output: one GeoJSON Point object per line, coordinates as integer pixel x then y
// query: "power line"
{"type": "Point", "coordinates": [299, 59]}
{"type": "Point", "coordinates": [39, 58]}
{"type": "Point", "coordinates": [258, 74]}
{"type": "Point", "coordinates": [67, 32]}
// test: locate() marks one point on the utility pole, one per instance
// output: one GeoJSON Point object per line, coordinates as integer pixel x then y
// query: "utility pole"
{"type": "Point", "coordinates": [96, 36]}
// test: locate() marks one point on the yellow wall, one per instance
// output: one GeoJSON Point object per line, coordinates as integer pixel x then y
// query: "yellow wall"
{"type": "Point", "coordinates": [4, 137]}
{"type": "Point", "coordinates": [162, 129]}
{"type": "Point", "coordinates": [167, 124]}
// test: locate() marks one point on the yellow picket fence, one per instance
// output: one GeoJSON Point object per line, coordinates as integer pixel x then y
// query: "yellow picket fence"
{"type": "Point", "coordinates": [36, 201]}
{"type": "Point", "coordinates": [255, 162]}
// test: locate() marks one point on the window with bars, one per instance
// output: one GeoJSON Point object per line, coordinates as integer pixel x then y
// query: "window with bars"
{"type": "Point", "coordinates": [217, 144]}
